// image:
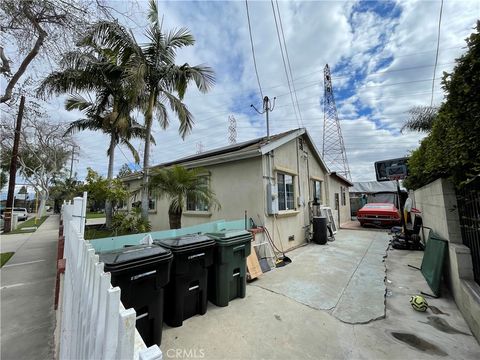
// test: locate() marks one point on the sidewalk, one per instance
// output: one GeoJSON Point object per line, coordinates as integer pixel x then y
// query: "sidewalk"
{"type": "Point", "coordinates": [27, 293]}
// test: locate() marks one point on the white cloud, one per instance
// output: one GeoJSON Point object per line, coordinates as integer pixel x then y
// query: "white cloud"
{"type": "Point", "coordinates": [316, 32]}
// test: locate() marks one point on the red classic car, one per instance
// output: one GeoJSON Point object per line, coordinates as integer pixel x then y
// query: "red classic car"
{"type": "Point", "coordinates": [379, 214]}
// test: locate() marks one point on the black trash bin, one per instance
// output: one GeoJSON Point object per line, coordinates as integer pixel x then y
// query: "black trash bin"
{"type": "Point", "coordinates": [227, 278]}
{"type": "Point", "coordinates": [141, 272]}
{"type": "Point", "coordinates": [186, 293]}
{"type": "Point", "coordinates": [320, 230]}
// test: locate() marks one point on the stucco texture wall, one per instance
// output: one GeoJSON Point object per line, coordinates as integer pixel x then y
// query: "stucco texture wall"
{"type": "Point", "coordinates": [288, 227]}
{"type": "Point", "coordinates": [342, 215]}
{"type": "Point", "coordinates": [237, 187]}
{"type": "Point", "coordinates": [241, 185]}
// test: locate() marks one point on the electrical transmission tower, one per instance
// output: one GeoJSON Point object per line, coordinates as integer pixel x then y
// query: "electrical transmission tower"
{"type": "Point", "coordinates": [232, 130]}
{"type": "Point", "coordinates": [333, 151]}
{"type": "Point", "coordinates": [200, 147]}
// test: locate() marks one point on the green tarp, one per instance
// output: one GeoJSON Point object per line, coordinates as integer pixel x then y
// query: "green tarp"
{"type": "Point", "coordinates": [432, 263]}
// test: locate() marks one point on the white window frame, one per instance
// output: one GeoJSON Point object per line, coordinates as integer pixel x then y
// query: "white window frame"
{"type": "Point", "coordinates": [284, 174]}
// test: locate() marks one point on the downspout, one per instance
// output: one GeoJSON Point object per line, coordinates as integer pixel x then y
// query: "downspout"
{"type": "Point", "coordinates": [309, 189]}
{"type": "Point", "coordinates": [298, 172]}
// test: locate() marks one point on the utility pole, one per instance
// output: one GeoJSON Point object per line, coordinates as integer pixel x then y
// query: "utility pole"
{"type": "Point", "coordinates": [13, 168]}
{"type": "Point", "coordinates": [71, 162]}
{"type": "Point", "coordinates": [265, 110]}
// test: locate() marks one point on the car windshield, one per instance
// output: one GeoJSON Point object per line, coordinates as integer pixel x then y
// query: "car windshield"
{"type": "Point", "coordinates": [19, 209]}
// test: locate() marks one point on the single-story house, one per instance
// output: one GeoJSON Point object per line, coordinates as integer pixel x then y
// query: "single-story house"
{"type": "Point", "coordinates": [275, 180]}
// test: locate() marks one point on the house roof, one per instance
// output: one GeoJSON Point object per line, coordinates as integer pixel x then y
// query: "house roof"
{"type": "Point", "coordinates": [243, 150]}
{"type": "Point", "coordinates": [341, 179]}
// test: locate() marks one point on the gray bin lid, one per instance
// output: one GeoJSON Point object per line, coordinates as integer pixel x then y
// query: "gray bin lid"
{"type": "Point", "coordinates": [186, 242]}
{"type": "Point", "coordinates": [135, 254]}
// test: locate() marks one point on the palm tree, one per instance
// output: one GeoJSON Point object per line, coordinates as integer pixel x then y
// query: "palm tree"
{"type": "Point", "coordinates": [97, 70]}
{"type": "Point", "coordinates": [153, 77]}
{"type": "Point", "coordinates": [120, 130]}
{"type": "Point", "coordinates": [421, 119]}
{"type": "Point", "coordinates": [178, 184]}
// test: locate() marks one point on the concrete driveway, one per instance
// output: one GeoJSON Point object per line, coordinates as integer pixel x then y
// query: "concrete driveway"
{"type": "Point", "coordinates": [331, 302]}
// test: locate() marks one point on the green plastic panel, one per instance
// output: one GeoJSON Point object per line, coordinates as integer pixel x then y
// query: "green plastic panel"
{"type": "Point", "coordinates": [433, 259]}
{"type": "Point", "coordinates": [117, 242]}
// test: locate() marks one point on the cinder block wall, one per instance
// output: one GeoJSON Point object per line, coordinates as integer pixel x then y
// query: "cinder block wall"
{"type": "Point", "coordinates": [438, 203]}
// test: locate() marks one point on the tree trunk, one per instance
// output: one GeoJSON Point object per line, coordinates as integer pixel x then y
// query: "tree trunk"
{"type": "Point", "coordinates": [108, 202]}
{"type": "Point", "coordinates": [43, 200]}
{"type": "Point", "coordinates": [175, 219]}
{"type": "Point", "coordinates": [13, 168]}
{"type": "Point", "coordinates": [146, 156]}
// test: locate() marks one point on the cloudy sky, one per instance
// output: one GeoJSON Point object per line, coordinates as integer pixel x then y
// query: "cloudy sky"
{"type": "Point", "coordinates": [381, 55]}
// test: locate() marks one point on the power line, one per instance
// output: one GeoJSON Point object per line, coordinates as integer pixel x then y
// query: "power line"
{"type": "Point", "coordinates": [316, 83]}
{"type": "Point", "coordinates": [284, 64]}
{"type": "Point", "coordinates": [438, 46]}
{"type": "Point", "coordinates": [226, 93]}
{"type": "Point", "coordinates": [288, 58]}
{"type": "Point", "coordinates": [253, 49]}
{"type": "Point", "coordinates": [125, 156]}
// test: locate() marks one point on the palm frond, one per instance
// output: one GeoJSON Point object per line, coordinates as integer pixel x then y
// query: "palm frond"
{"type": "Point", "coordinates": [132, 149]}
{"type": "Point", "coordinates": [78, 102]}
{"type": "Point", "coordinates": [153, 14]}
{"type": "Point", "coordinates": [185, 117]}
{"type": "Point", "coordinates": [178, 183]}
{"type": "Point", "coordinates": [178, 38]}
{"type": "Point", "coordinates": [83, 124]}
{"type": "Point", "coordinates": [112, 35]}
{"type": "Point", "coordinates": [162, 114]}
{"type": "Point", "coordinates": [421, 119]}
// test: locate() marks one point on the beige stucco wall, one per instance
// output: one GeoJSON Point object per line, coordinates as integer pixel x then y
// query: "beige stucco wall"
{"type": "Point", "coordinates": [241, 185]}
{"type": "Point", "coordinates": [237, 187]}
{"type": "Point", "coordinates": [288, 227]}
{"type": "Point", "coordinates": [341, 215]}
{"type": "Point", "coordinates": [438, 204]}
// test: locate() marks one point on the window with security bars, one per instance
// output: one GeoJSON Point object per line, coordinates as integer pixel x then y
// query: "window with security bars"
{"type": "Point", "coordinates": [286, 196]}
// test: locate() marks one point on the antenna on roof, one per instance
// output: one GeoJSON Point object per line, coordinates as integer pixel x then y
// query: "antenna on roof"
{"type": "Point", "coordinates": [266, 109]}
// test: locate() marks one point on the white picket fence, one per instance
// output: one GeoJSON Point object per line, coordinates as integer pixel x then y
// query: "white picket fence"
{"type": "Point", "coordinates": [94, 323]}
